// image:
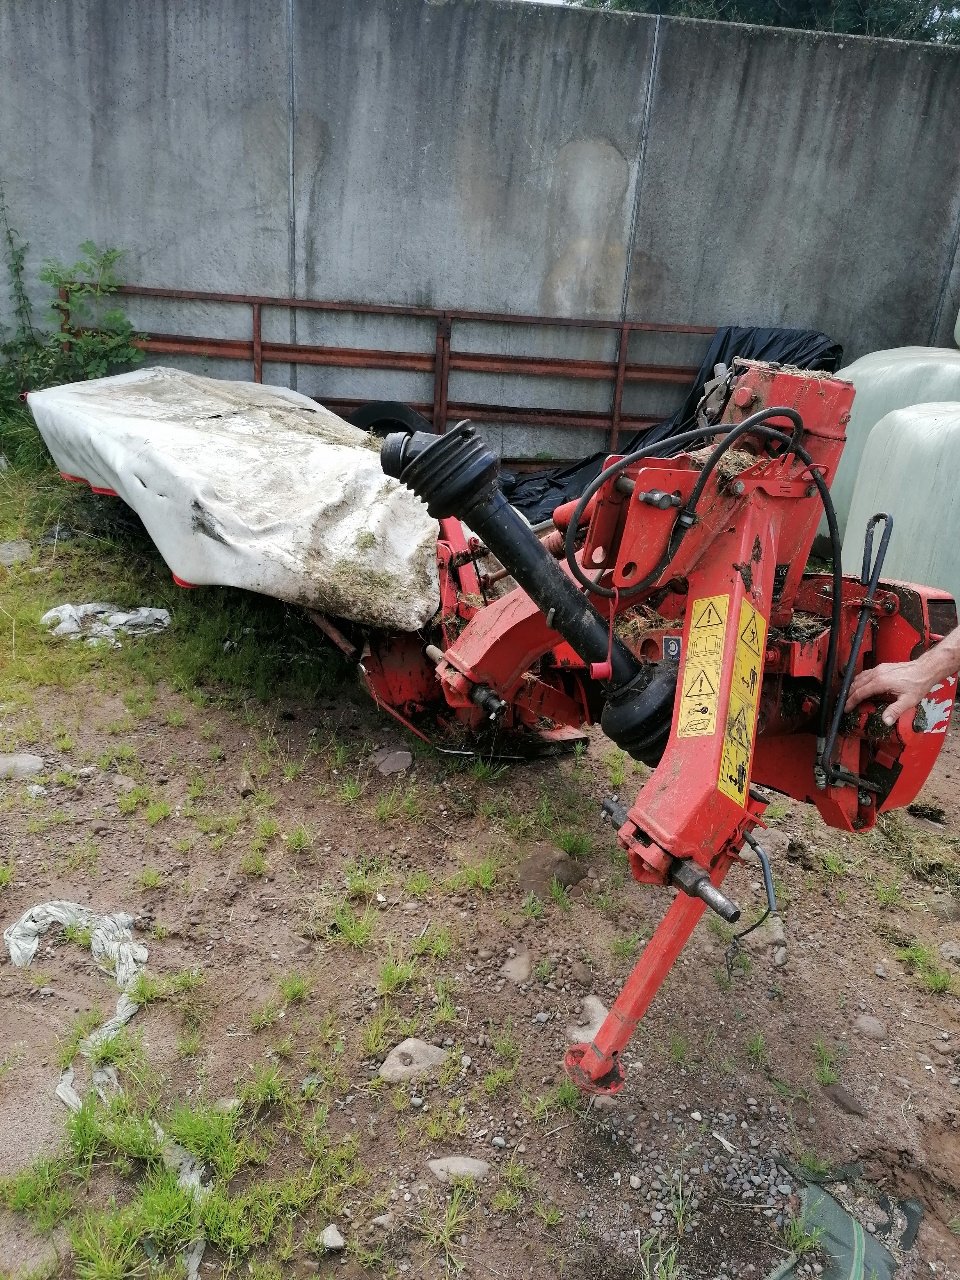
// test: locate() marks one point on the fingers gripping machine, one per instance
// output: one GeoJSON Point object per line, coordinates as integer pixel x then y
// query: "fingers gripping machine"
{"type": "Point", "coordinates": [672, 603]}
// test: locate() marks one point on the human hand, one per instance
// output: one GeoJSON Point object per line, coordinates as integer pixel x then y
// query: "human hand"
{"type": "Point", "coordinates": [907, 683]}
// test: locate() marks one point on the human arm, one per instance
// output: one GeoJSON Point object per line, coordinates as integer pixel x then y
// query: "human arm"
{"type": "Point", "coordinates": [908, 683]}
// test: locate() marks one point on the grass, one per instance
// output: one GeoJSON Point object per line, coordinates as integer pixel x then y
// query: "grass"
{"type": "Point", "coordinates": [299, 840]}
{"type": "Point", "coordinates": [266, 1016]}
{"type": "Point", "coordinates": [887, 893]}
{"type": "Point", "coordinates": [825, 1072]}
{"type": "Point", "coordinates": [480, 875]}
{"type": "Point", "coordinates": [130, 801]}
{"type": "Point", "coordinates": [351, 790]}
{"type": "Point", "coordinates": [418, 884]}
{"type": "Point", "coordinates": [812, 1164]}
{"type": "Point", "coordinates": [442, 1226]}
{"type": "Point", "coordinates": [395, 974]}
{"type": "Point", "coordinates": [924, 855]}
{"type": "Point", "coordinates": [122, 1049]}
{"type": "Point", "coordinates": [801, 1239]}
{"type": "Point", "coordinates": [435, 942]}
{"type": "Point", "coordinates": [265, 1088]}
{"type": "Point", "coordinates": [78, 933]}
{"type": "Point", "coordinates": [364, 878]}
{"type": "Point", "coordinates": [211, 1134]}
{"type": "Point", "coordinates": [375, 1037]}
{"type": "Point", "coordinates": [834, 864]}
{"type": "Point", "coordinates": [574, 843]}
{"type": "Point", "coordinates": [559, 894]}
{"type": "Point", "coordinates": [757, 1051]}
{"type": "Point", "coordinates": [496, 1081]}
{"type": "Point", "coordinates": [352, 928]}
{"type": "Point", "coordinates": [294, 988]}
{"type": "Point", "coordinates": [485, 771]}
{"type": "Point", "coordinates": [549, 1214]}
{"type": "Point", "coordinates": [445, 1011]}
{"type": "Point", "coordinates": [254, 863]}
{"type": "Point", "coordinates": [156, 812]}
{"type": "Point", "coordinates": [82, 1026]}
{"type": "Point", "coordinates": [616, 764]}
{"type": "Point", "coordinates": [627, 946]}
{"type": "Point", "coordinates": [532, 908]}
{"type": "Point", "coordinates": [150, 878]}
{"type": "Point", "coordinates": [921, 961]}
{"type": "Point", "coordinates": [41, 1192]}
{"type": "Point", "coordinates": [678, 1049]}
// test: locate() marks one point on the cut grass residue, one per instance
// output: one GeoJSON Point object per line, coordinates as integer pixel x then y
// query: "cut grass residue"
{"type": "Point", "coordinates": [924, 855]}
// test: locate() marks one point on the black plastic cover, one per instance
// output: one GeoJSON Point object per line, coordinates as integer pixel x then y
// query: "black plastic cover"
{"type": "Point", "coordinates": [539, 493]}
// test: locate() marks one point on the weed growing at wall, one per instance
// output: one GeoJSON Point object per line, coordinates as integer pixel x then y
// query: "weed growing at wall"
{"type": "Point", "coordinates": [92, 337]}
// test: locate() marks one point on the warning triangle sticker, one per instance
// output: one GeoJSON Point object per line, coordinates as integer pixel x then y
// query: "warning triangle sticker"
{"type": "Point", "coordinates": [709, 617]}
{"type": "Point", "coordinates": [738, 731]}
{"type": "Point", "coordinates": [700, 686]}
{"type": "Point", "coordinates": [750, 635]}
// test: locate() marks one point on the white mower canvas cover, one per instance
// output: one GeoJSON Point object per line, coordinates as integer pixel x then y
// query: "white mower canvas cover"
{"type": "Point", "coordinates": [243, 485]}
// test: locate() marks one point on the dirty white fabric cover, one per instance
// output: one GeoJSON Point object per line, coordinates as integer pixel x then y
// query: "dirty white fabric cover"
{"type": "Point", "coordinates": [244, 485]}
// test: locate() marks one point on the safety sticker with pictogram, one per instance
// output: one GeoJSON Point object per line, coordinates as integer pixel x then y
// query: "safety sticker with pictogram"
{"type": "Point", "coordinates": [738, 734]}
{"type": "Point", "coordinates": [700, 682]}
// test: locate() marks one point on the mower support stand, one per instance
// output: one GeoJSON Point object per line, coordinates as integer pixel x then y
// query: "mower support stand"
{"type": "Point", "coordinates": [596, 1067]}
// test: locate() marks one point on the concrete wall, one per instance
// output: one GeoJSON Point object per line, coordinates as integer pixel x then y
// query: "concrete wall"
{"type": "Point", "coordinates": [488, 155]}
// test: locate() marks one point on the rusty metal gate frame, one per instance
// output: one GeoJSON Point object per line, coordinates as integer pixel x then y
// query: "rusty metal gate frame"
{"type": "Point", "coordinates": [441, 362]}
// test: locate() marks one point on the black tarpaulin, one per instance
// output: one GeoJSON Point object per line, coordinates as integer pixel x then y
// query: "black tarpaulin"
{"type": "Point", "coordinates": [538, 494]}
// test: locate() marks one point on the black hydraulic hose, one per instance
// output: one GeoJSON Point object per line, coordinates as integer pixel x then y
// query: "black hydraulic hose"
{"type": "Point", "coordinates": [743, 428]}
{"type": "Point", "coordinates": [752, 425]}
{"type": "Point", "coordinates": [869, 579]}
{"type": "Point", "coordinates": [836, 607]}
{"type": "Point", "coordinates": [731, 433]}
{"type": "Point", "coordinates": [457, 475]}
{"type": "Point", "coordinates": [505, 532]}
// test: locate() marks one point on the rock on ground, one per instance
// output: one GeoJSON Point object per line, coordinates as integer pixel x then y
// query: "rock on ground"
{"type": "Point", "coordinates": [449, 1167]}
{"type": "Point", "coordinates": [12, 553]}
{"type": "Point", "coordinates": [518, 968]}
{"type": "Point", "coordinates": [870, 1027]}
{"type": "Point", "coordinates": [390, 761]}
{"type": "Point", "coordinates": [592, 1014]}
{"type": "Point", "coordinates": [332, 1240]}
{"type": "Point", "coordinates": [410, 1060]}
{"type": "Point", "coordinates": [544, 864]}
{"type": "Point", "coordinates": [22, 765]}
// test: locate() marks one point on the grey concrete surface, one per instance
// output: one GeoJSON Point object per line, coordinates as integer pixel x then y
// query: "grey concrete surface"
{"type": "Point", "coordinates": [467, 154]}
{"type": "Point", "coordinates": [493, 156]}
{"type": "Point", "coordinates": [816, 183]}
{"type": "Point", "coordinates": [160, 128]}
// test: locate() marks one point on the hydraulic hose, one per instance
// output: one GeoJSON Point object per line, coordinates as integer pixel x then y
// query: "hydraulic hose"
{"type": "Point", "coordinates": [753, 425]}
{"type": "Point", "coordinates": [457, 475]}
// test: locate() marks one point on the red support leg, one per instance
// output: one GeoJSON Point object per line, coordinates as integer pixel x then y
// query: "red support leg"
{"type": "Point", "coordinates": [595, 1067]}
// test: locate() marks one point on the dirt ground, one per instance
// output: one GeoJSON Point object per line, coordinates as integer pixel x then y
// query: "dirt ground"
{"type": "Point", "coordinates": [323, 912]}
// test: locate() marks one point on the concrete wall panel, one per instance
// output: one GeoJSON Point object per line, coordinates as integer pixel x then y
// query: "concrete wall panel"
{"type": "Point", "coordinates": [160, 128]}
{"type": "Point", "coordinates": [798, 179]}
{"type": "Point", "coordinates": [471, 154]}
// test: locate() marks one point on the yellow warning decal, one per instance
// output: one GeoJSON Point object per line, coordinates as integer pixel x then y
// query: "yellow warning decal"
{"type": "Point", "coordinates": [735, 758]}
{"type": "Point", "coordinates": [700, 682]}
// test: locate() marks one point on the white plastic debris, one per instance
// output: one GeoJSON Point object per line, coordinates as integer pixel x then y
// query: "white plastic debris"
{"type": "Point", "coordinates": [111, 939]}
{"type": "Point", "coordinates": [114, 949]}
{"type": "Point", "coordinates": [66, 1092]}
{"type": "Point", "coordinates": [100, 623]}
